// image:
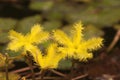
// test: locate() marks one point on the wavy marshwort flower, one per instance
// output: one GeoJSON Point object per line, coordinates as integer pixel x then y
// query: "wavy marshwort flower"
{"type": "Point", "coordinates": [75, 46]}
{"type": "Point", "coordinates": [28, 41]}
{"type": "Point", "coordinates": [50, 59]}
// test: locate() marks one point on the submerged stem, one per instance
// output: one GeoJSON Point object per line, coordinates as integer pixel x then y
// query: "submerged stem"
{"type": "Point", "coordinates": [42, 73]}
{"type": "Point", "coordinates": [115, 40]}
{"type": "Point", "coordinates": [33, 74]}
{"type": "Point", "coordinates": [58, 73]}
{"type": "Point", "coordinates": [6, 67]}
{"type": "Point", "coordinates": [29, 61]}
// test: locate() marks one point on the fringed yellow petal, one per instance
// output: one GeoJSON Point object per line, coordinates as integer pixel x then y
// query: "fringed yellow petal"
{"type": "Point", "coordinates": [93, 43]}
{"type": "Point", "coordinates": [39, 59]}
{"type": "Point", "coordinates": [35, 52]}
{"type": "Point", "coordinates": [62, 38]}
{"type": "Point", "coordinates": [37, 34]}
{"type": "Point", "coordinates": [43, 36]}
{"type": "Point", "coordinates": [15, 35]}
{"type": "Point", "coordinates": [83, 56]}
{"type": "Point", "coordinates": [77, 33]}
{"type": "Point", "coordinates": [14, 45]}
{"type": "Point", "coordinates": [49, 63]}
{"type": "Point", "coordinates": [16, 40]}
{"type": "Point", "coordinates": [51, 52]}
{"type": "Point", "coordinates": [51, 59]}
{"type": "Point", "coordinates": [38, 38]}
{"type": "Point", "coordinates": [36, 29]}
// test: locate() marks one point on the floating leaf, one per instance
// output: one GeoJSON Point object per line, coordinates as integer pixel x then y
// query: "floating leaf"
{"type": "Point", "coordinates": [25, 24]}
{"type": "Point", "coordinates": [7, 24]}
{"type": "Point", "coordinates": [85, 1]}
{"type": "Point", "coordinates": [4, 37]}
{"type": "Point", "coordinates": [92, 31]}
{"type": "Point", "coordinates": [50, 25]}
{"type": "Point", "coordinates": [39, 5]}
{"type": "Point", "coordinates": [67, 29]}
{"type": "Point", "coordinates": [65, 64]}
{"type": "Point", "coordinates": [97, 15]}
{"type": "Point", "coordinates": [54, 15]}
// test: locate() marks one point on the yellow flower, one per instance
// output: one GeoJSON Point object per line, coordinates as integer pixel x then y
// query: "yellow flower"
{"type": "Point", "coordinates": [51, 59]}
{"type": "Point", "coordinates": [28, 41]}
{"type": "Point", "coordinates": [75, 46]}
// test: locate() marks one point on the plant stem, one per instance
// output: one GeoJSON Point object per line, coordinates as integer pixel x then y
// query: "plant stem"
{"type": "Point", "coordinates": [22, 70]}
{"type": "Point", "coordinates": [29, 61]}
{"type": "Point", "coordinates": [42, 72]}
{"type": "Point", "coordinates": [6, 67]}
{"type": "Point", "coordinates": [115, 40]}
{"type": "Point", "coordinates": [79, 77]}
{"type": "Point", "coordinates": [72, 67]}
{"type": "Point", "coordinates": [31, 68]}
{"type": "Point", "coordinates": [58, 73]}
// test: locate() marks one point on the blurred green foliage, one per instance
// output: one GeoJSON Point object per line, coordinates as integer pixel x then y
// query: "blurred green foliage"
{"type": "Point", "coordinates": [5, 25]}
{"type": "Point", "coordinates": [38, 5]}
{"type": "Point", "coordinates": [24, 25]}
{"type": "Point", "coordinates": [65, 64]}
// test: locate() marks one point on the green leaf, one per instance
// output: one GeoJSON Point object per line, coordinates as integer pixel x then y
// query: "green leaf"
{"type": "Point", "coordinates": [101, 16]}
{"type": "Point", "coordinates": [4, 37]}
{"type": "Point", "coordinates": [7, 24]}
{"type": "Point", "coordinates": [54, 15]}
{"type": "Point", "coordinates": [51, 25]}
{"type": "Point", "coordinates": [92, 31]}
{"type": "Point", "coordinates": [65, 64]}
{"type": "Point", "coordinates": [24, 26]}
{"type": "Point", "coordinates": [39, 5]}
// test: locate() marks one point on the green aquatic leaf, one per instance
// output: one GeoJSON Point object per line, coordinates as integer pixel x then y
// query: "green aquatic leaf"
{"type": "Point", "coordinates": [54, 15]}
{"type": "Point", "coordinates": [25, 24]}
{"type": "Point", "coordinates": [101, 16]}
{"type": "Point", "coordinates": [65, 64]}
{"type": "Point", "coordinates": [4, 37]}
{"type": "Point", "coordinates": [7, 24]}
{"type": "Point", "coordinates": [51, 25]}
{"type": "Point", "coordinates": [91, 31]}
{"type": "Point", "coordinates": [41, 5]}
